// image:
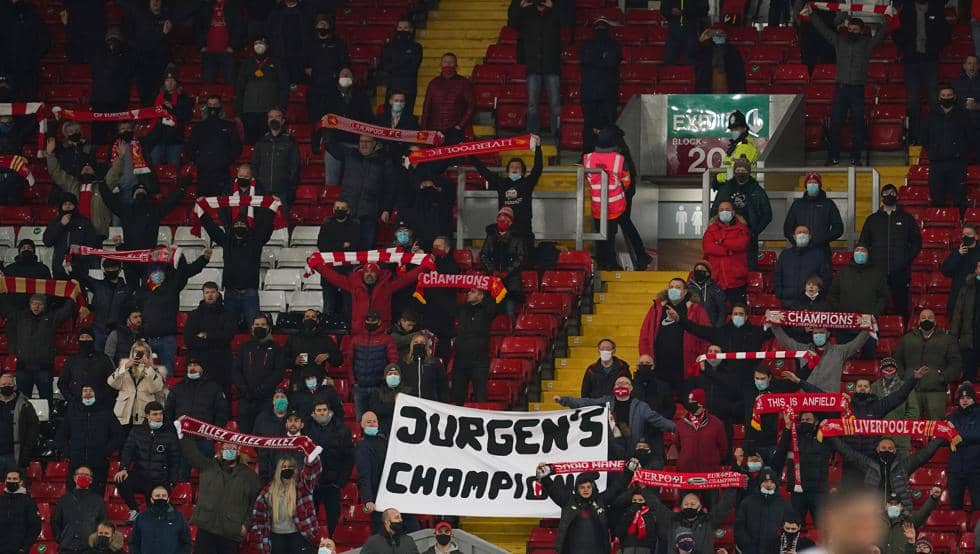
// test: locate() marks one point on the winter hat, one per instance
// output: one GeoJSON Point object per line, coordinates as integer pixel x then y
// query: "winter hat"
{"type": "Point", "coordinates": [608, 137]}
{"type": "Point", "coordinates": [25, 242]}
{"type": "Point", "coordinates": [966, 389]}
{"type": "Point", "coordinates": [924, 541]}
{"type": "Point", "coordinates": [742, 162]}
{"type": "Point", "coordinates": [769, 474]}
{"type": "Point", "coordinates": [443, 525]}
{"type": "Point", "coordinates": [698, 396]}
{"type": "Point", "coordinates": [85, 331]}
{"type": "Point", "coordinates": [393, 368]}
{"type": "Point", "coordinates": [114, 32]}
{"type": "Point", "coordinates": [587, 477]}
{"type": "Point", "coordinates": [507, 212]}
{"type": "Point", "coordinates": [889, 187]}
{"type": "Point", "coordinates": [39, 298]}
{"type": "Point", "coordinates": [813, 176]}
{"type": "Point", "coordinates": [69, 197]}
{"type": "Point", "coordinates": [887, 362]}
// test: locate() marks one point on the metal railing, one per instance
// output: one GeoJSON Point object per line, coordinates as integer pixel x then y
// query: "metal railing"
{"type": "Point", "coordinates": [850, 220]}
{"type": "Point", "coordinates": [545, 202]}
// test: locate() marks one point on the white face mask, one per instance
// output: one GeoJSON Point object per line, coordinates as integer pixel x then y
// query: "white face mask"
{"type": "Point", "coordinates": [345, 82]}
{"type": "Point", "coordinates": [605, 355]}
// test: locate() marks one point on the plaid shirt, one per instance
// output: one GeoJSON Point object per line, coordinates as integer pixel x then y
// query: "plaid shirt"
{"type": "Point", "coordinates": [305, 516]}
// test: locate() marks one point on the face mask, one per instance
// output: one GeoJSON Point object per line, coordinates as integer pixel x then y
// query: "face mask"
{"type": "Point", "coordinates": [7, 390]}
{"type": "Point", "coordinates": [853, 36]}
{"type": "Point", "coordinates": [754, 466]}
{"type": "Point", "coordinates": [160, 504]}
{"type": "Point", "coordinates": [340, 215]}
{"type": "Point", "coordinates": [373, 326]}
{"type": "Point", "coordinates": [947, 102]}
{"type": "Point", "coordinates": [812, 189]}
{"type": "Point", "coordinates": [927, 325]}
{"type": "Point", "coordinates": [126, 136]}
{"type": "Point", "coordinates": [807, 429]}
{"type": "Point", "coordinates": [644, 367]}
{"type": "Point", "coordinates": [860, 258]}
{"type": "Point", "coordinates": [260, 332]}
{"type": "Point", "coordinates": [448, 72]}
{"type": "Point", "coordinates": [212, 112]}
{"type": "Point", "coordinates": [309, 325]}
{"type": "Point", "coordinates": [311, 384]}
{"type": "Point", "coordinates": [725, 216]}
{"type": "Point", "coordinates": [894, 511]}
{"type": "Point", "coordinates": [819, 339]}
{"type": "Point", "coordinates": [741, 178]}
{"type": "Point", "coordinates": [12, 487]}
{"type": "Point", "coordinates": [605, 355]}
{"type": "Point", "coordinates": [88, 401]}
{"type": "Point", "coordinates": [969, 241]}
{"type": "Point", "coordinates": [259, 49]}
{"type": "Point", "coordinates": [27, 256]}
{"type": "Point", "coordinates": [403, 35]}
{"type": "Point", "coordinates": [889, 200]}
{"type": "Point", "coordinates": [767, 492]}
{"type": "Point", "coordinates": [157, 278]}
{"type": "Point", "coordinates": [686, 546]}
{"type": "Point", "coordinates": [714, 363]}
{"type": "Point", "coordinates": [86, 347]}
{"type": "Point", "coordinates": [240, 232]}
{"type": "Point", "coordinates": [371, 431]}
{"type": "Point", "coordinates": [443, 540]}
{"type": "Point", "coordinates": [279, 404]}
{"type": "Point", "coordinates": [503, 224]}
{"type": "Point", "coordinates": [228, 454]}
{"type": "Point", "coordinates": [155, 425]}
{"type": "Point", "coordinates": [718, 40]}
{"type": "Point", "coordinates": [111, 275]}
{"type": "Point", "coordinates": [323, 32]}
{"type": "Point", "coordinates": [323, 419]}
{"type": "Point", "coordinates": [402, 237]}
{"type": "Point", "coordinates": [689, 513]}
{"type": "Point", "coordinates": [700, 275]}
{"type": "Point", "coordinates": [83, 481]}
{"type": "Point", "coordinates": [75, 137]}
{"type": "Point", "coordinates": [738, 320]}
{"type": "Point", "coordinates": [514, 176]}
{"type": "Point", "coordinates": [735, 134]}
{"type": "Point", "coordinates": [393, 380]}
{"type": "Point", "coordinates": [193, 376]}
{"type": "Point", "coordinates": [761, 384]}
{"type": "Point", "coordinates": [287, 474]}
{"type": "Point", "coordinates": [345, 82]}
{"type": "Point", "coordinates": [802, 240]}
{"type": "Point", "coordinates": [418, 351]}
{"type": "Point", "coordinates": [275, 125]}
{"type": "Point", "coordinates": [323, 550]}
{"type": "Point", "coordinates": [886, 457]}
{"type": "Point", "coordinates": [674, 294]}
{"type": "Point", "coordinates": [621, 392]}
{"type": "Point", "coordinates": [396, 527]}
{"type": "Point", "coordinates": [102, 542]}
{"type": "Point", "coordinates": [397, 107]}
{"type": "Point", "coordinates": [862, 396]}
{"type": "Point", "coordinates": [812, 295]}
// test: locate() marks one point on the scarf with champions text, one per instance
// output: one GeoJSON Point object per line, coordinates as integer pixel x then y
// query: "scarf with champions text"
{"type": "Point", "coordinates": [915, 428]}
{"type": "Point", "coordinates": [434, 280]}
{"type": "Point", "coordinates": [168, 255]}
{"type": "Point", "coordinates": [820, 320]}
{"type": "Point", "coordinates": [388, 256]}
{"type": "Point", "coordinates": [340, 123]}
{"type": "Point", "coordinates": [658, 478]}
{"type": "Point", "coordinates": [475, 148]}
{"type": "Point", "coordinates": [198, 428]}
{"type": "Point", "coordinates": [209, 205]}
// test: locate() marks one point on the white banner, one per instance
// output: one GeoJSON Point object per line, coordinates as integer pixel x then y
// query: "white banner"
{"type": "Point", "coordinates": [445, 459]}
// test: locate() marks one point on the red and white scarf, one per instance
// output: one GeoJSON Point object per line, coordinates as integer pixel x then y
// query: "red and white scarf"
{"type": "Point", "coordinates": [657, 478]}
{"type": "Point", "coordinates": [198, 428]}
{"type": "Point", "coordinates": [153, 112]}
{"type": "Point", "coordinates": [773, 403]}
{"type": "Point", "coordinates": [916, 428]}
{"type": "Point", "coordinates": [811, 358]}
{"type": "Point", "coordinates": [340, 123]}
{"type": "Point", "coordinates": [85, 199]}
{"type": "Point", "coordinates": [864, 9]}
{"type": "Point", "coordinates": [390, 256]}
{"type": "Point", "coordinates": [476, 148]}
{"type": "Point", "coordinates": [169, 120]}
{"type": "Point", "coordinates": [140, 167]}
{"type": "Point", "coordinates": [638, 527]}
{"type": "Point", "coordinates": [820, 320]}
{"type": "Point", "coordinates": [210, 204]}
{"type": "Point", "coordinates": [238, 190]}
{"type": "Point", "coordinates": [29, 108]}
{"type": "Point", "coordinates": [169, 255]}
{"type": "Point", "coordinates": [18, 164]}
{"type": "Point", "coordinates": [48, 287]}
{"type": "Point", "coordinates": [435, 280]}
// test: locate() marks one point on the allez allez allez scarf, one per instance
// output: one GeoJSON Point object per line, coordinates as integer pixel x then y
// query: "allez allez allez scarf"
{"type": "Point", "coordinates": [198, 428]}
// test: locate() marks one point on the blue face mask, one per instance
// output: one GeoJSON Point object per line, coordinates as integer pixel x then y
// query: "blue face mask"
{"type": "Point", "coordinates": [812, 189]}
{"type": "Point", "coordinates": [820, 339]}
{"type": "Point", "coordinates": [754, 466]}
{"type": "Point", "coordinates": [725, 216]}
{"type": "Point", "coordinates": [767, 492]}
{"type": "Point", "coordinates": [860, 258]}
{"type": "Point", "coordinates": [802, 240]}
{"type": "Point", "coordinates": [156, 277]}
{"type": "Point", "coordinates": [735, 134]}
{"type": "Point", "coordinates": [397, 107]}
{"type": "Point", "coordinates": [761, 384]}
{"type": "Point", "coordinates": [718, 40]}
{"type": "Point", "coordinates": [228, 454]}
{"type": "Point", "coordinates": [5, 127]}
{"type": "Point", "coordinates": [311, 384]}
{"type": "Point", "coordinates": [515, 176]}
{"type": "Point", "coordinates": [371, 431]}
{"type": "Point", "coordinates": [674, 294]}
{"type": "Point", "coordinates": [88, 401]}
{"type": "Point", "coordinates": [280, 404]}
{"type": "Point", "coordinates": [738, 320]}
{"type": "Point", "coordinates": [393, 380]}
{"type": "Point", "coordinates": [402, 237]}
{"type": "Point", "coordinates": [894, 512]}
{"type": "Point", "coordinates": [155, 425]}
{"type": "Point", "coordinates": [193, 376]}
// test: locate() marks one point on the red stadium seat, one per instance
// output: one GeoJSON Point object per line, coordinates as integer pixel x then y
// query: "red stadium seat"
{"type": "Point", "coordinates": [489, 73]}
{"type": "Point", "coordinates": [532, 348]}
{"type": "Point", "coordinates": [351, 535]}
{"type": "Point", "coordinates": [742, 36]}
{"type": "Point", "coordinates": [638, 74]}
{"type": "Point", "coordinates": [529, 281]}
{"type": "Point", "coordinates": [824, 74]}
{"type": "Point", "coordinates": [56, 471]}
{"type": "Point", "coordinates": [928, 260]}
{"type": "Point", "coordinates": [513, 369]}
{"type": "Point", "coordinates": [756, 284]}
{"type": "Point", "coordinates": [935, 237]}
{"type": "Point", "coordinates": [501, 53]}
{"type": "Point", "coordinates": [935, 302]}
{"type": "Point", "coordinates": [549, 303]}
{"type": "Point", "coordinates": [853, 369]}
{"type": "Point", "coordinates": [183, 493]}
{"type": "Point", "coordinates": [463, 257]}
{"type": "Point", "coordinates": [946, 520]}
{"type": "Point", "coordinates": [543, 325]}
{"type": "Point", "coordinates": [575, 259]}
{"type": "Point", "coordinates": [502, 391]}
{"type": "Point", "coordinates": [765, 55]}
{"type": "Point", "coordinates": [501, 325]}
{"type": "Point", "coordinates": [782, 36]}
{"type": "Point", "coordinates": [644, 17]}
{"type": "Point", "coordinates": [767, 260]}
{"type": "Point", "coordinates": [941, 217]}
{"type": "Point", "coordinates": [16, 215]}
{"type": "Point", "coordinates": [562, 281]}
{"type": "Point", "coordinates": [840, 259]}
{"type": "Point", "coordinates": [916, 196]}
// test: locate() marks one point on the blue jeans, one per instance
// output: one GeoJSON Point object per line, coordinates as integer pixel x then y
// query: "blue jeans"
{"type": "Point", "coordinates": [27, 378]}
{"type": "Point", "coordinates": [362, 398]}
{"type": "Point", "coordinates": [242, 305]}
{"type": "Point", "coordinates": [847, 99]}
{"type": "Point", "coordinates": [681, 43]}
{"type": "Point", "coordinates": [335, 167]}
{"type": "Point", "coordinates": [553, 84]}
{"type": "Point", "coordinates": [166, 350]}
{"type": "Point", "coordinates": [369, 230]}
{"type": "Point", "coordinates": [166, 154]}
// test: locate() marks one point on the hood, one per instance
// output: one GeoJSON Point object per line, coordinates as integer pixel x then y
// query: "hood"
{"type": "Point", "coordinates": [116, 543]}
{"type": "Point", "coordinates": [768, 473]}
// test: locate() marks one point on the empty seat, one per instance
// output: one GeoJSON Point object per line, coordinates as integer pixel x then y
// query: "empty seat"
{"type": "Point", "coordinates": [33, 233]}
{"type": "Point", "coordinates": [165, 236]}
{"type": "Point", "coordinates": [305, 300]}
{"type": "Point", "coordinates": [304, 235]}
{"type": "Point", "coordinates": [217, 257]}
{"type": "Point", "coordinates": [183, 237]}
{"type": "Point", "coordinates": [283, 279]}
{"type": "Point", "coordinates": [312, 282]}
{"type": "Point", "coordinates": [279, 237]}
{"type": "Point", "coordinates": [269, 255]}
{"type": "Point", "coordinates": [206, 274]}
{"type": "Point", "coordinates": [7, 236]}
{"type": "Point", "coordinates": [293, 257]}
{"type": "Point", "coordinates": [272, 301]}
{"type": "Point", "coordinates": [189, 300]}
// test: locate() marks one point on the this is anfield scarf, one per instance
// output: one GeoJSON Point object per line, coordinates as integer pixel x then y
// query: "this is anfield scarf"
{"type": "Point", "coordinates": [820, 320]}
{"type": "Point", "coordinates": [209, 205]}
{"type": "Point", "coordinates": [522, 142]}
{"type": "Point", "coordinates": [18, 164]}
{"type": "Point", "coordinates": [916, 428]}
{"type": "Point", "coordinates": [29, 108]}
{"type": "Point", "coordinates": [333, 121]}
{"type": "Point", "coordinates": [198, 428]}
{"type": "Point", "coordinates": [799, 402]}
{"type": "Point", "coordinates": [140, 167]}
{"type": "Point", "coordinates": [657, 478]}
{"type": "Point", "coordinates": [493, 285]}
{"type": "Point", "coordinates": [168, 255]}
{"type": "Point", "coordinates": [47, 287]}
{"type": "Point", "coordinates": [390, 256]}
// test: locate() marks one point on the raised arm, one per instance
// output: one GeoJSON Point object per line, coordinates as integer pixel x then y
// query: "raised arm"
{"type": "Point", "coordinates": [786, 341]}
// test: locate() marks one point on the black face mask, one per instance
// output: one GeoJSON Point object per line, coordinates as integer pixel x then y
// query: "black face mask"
{"type": "Point", "coordinates": [275, 125]}
{"type": "Point", "coordinates": [287, 473]}
{"type": "Point", "coordinates": [806, 429]}
{"type": "Point", "coordinates": [140, 199]}
{"type": "Point", "coordinates": [160, 504]}
{"type": "Point", "coordinates": [340, 215]}
{"type": "Point", "coordinates": [397, 527]}
{"type": "Point", "coordinates": [126, 136]}
{"type": "Point", "coordinates": [418, 351]}
{"type": "Point", "coordinates": [113, 44]}
{"type": "Point", "coordinates": [243, 183]}
{"type": "Point", "coordinates": [443, 540]}
{"type": "Point", "coordinates": [309, 325]}
{"type": "Point", "coordinates": [111, 275]}
{"type": "Point", "coordinates": [889, 200]}
{"type": "Point", "coordinates": [741, 178]}
{"type": "Point", "coordinates": [692, 406]}
{"type": "Point", "coordinates": [689, 513]}
{"type": "Point", "coordinates": [102, 542]}
{"type": "Point", "coordinates": [853, 36]}
{"type": "Point", "coordinates": [947, 102]}
{"type": "Point", "coordinates": [7, 390]}
{"type": "Point", "coordinates": [372, 326]}
{"type": "Point", "coordinates": [886, 457]}
{"type": "Point", "coordinates": [27, 257]}
{"type": "Point", "coordinates": [323, 33]}
{"type": "Point", "coordinates": [212, 112]}
{"type": "Point", "coordinates": [862, 396]}
{"type": "Point", "coordinates": [700, 275]}
{"type": "Point", "coordinates": [240, 232]}
{"type": "Point", "coordinates": [927, 325]}
{"type": "Point", "coordinates": [403, 35]}
{"type": "Point", "coordinates": [75, 137]}
{"type": "Point", "coordinates": [643, 456]}
{"type": "Point", "coordinates": [969, 241]}
{"type": "Point", "coordinates": [260, 333]}
{"type": "Point", "coordinates": [644, 367]}
{"type": "Point", "coordinates": [86, 347]}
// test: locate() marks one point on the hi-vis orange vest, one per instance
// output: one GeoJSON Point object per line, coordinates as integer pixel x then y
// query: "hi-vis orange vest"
{"type": "Point", "coordinates": [619, 178]}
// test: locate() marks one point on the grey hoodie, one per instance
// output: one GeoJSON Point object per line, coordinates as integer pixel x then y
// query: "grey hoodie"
{"type": "Point", "coordinates": [826, 376]}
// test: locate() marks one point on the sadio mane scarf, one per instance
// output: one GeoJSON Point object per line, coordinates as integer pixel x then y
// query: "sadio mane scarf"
{"type": "Point", "coordinates": [915, 428]}
{"type": "Point", "coordinates": [492, 146]}
{"type": "Point", "coordinates": [493, 285]}
{"type": "Point", "coordinates": [340, 123]}
{"type": "Point", "coordinates": [198, 428]}
{"type": "Point", "coordinates": [658, 478]}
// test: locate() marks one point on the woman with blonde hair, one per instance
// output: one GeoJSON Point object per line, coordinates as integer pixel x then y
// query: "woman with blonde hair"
{"type": "Point", "coordinates": [139, 382]}
{"type": "Point", "coordinates": [422, 371]}
{"type": "Point", "coordinates": [284, 517]}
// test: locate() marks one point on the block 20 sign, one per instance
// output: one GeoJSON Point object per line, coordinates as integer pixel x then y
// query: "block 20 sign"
{"type": "Point", "coordinates": [697, 128]}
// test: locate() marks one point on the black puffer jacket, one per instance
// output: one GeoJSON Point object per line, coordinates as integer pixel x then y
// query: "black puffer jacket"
{"type": "Point", "coordinates": [242, 255]}
{"type": "Point", "coordinates": [30, 335]}
{"type": "Point", "coordinates": [160, 305]}
{"type": "Point", "coordinates": [88, 369]}
{"type": "Point", "coordinates": [368, 183]}
{"type": "Point", "coordinates": [75, 517]}
{"type": "Point", "coordinates": [154, 453]}
{"type": "Point", "coordinates": [20, 522]}
{"type": "Point", "coordinates": [758, 522]}
{"type": "Point", "coordinates": [259, 367]}
{"type": "Point", "coordinates": [400, 60]}
{"type": "Point", "coordinates": [950, 136]}
{"type": "Point", "coordinates": [112, 72]}
{"type": "Point", "coordinates": [213, 351]}
{"type": "Point", "coordinates": [338, 450]}
{"type": "Point", "coordinates": [275, 164]}
{"type": "Point", "coordinates": [200, 398]}
{"type": "Point", "coordinates": [108, 300]}
{"type": "Point", "coordinates": [578, 532]}
{"type": "Point", "coordinates": [426, 378]}
{"type": "Point", "coordinates": [255, 94]}
{"type": "Point", "coordinates": [325, 59]}
{"type": "Point", "coordinates": [140, 222]}
{"type": "Point", "coordinates": [893, 239]}
{"type": "Point", "coordinates": [89, 434]}
{"type": "Point", "coordinates": [505, 254]}
{"type": "Point", "coordinates": [819, 214]}
{"type": "Point", "coordinates": [540, 42]}
{"type": "Point", "coordinates": [600, 58]}
{"type": "Point", "coordinates": [214, 144]}
{"type": "Point", "coordinates": [897, 473]}
{"type": "Point", "coordinates": [60, 237]}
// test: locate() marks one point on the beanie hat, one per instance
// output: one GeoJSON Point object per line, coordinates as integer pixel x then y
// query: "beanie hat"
{"type": "Point", "coordinates": [507, 212]}
{"type": "Point", "coordinates": [966, 389]}
{"type": "Point", "coordinates": [742, 162]}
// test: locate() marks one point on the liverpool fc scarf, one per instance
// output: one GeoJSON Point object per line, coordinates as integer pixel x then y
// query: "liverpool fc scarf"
{"type": "Point", "coordinates": [491, 284]}
{"type": "Point", "coordinates": [657, 478]}
{"type": "Point", "coordinates": [168, 255]}
{"type": "Point", "coordinates": [390, 256]}
{"type": "Point", "coordinates": [210, 204]}
{"type": "Point", "coordinates": [799, 402]}
{"type": "Point", "coordinates": [18, 164]}
{"type": "Point", "coordinates": [333, 121]}
{"type": "Point", "coordinates": [916, 428]}
{"type": "Point", "coordinates": [140, 166]}
{"type": "Point", "coordinates": [638, 527]}
{"type": "Point", "coordinates": [820, 320]}
{"type": "Point", "coordinates": [47, 287]}
{"type": "Point", "coordinates": [29, 108]}
{"type": "Point", "coordinates": [522, 142]}
{"type": "Point", "coordinates": [198, 428]}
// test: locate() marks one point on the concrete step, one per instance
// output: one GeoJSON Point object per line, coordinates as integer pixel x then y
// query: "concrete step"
{"type": "Point", "coordinates": [468, 13]}
{"type": "Point", "coordinates": [628, 335]}
{"type": "Point", "coordinates": [639, 276]}
{"type": "Point", "coordinates": [443, 32]}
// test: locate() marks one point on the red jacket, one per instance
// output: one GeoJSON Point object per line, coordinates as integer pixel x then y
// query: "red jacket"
{"type": "Point", "coordinates": [724, 248]}
{"type": "Point", "coordinates": [448, 103]}
{"type": "Point", "coordinates": [693, 346]}
{"type": "Point", "coordinates": [364, 300]}
{"type": "Point", "coordinates": [701, 450]}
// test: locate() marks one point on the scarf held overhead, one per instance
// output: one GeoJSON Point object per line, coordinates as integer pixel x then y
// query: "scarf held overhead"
{"type": "Point", "coordinates": [210, 204]}
{"type": "Point", "coordinates": [198, 428]}
{"type": "Point", "coordinates": [866, 9]}
{"type": "Point", "coordinates": [340, 123]}
{"type": "Point", "coordinates": [915, 428]}
{"type": "Point", "coordinates": [168, 255]}
{"type": "Point", "coordinates": [820, 320]}
{"type": "Point", "coordinates": [47, 287]}
{"type": "Point", "coordinates": [476, 148]}
{"type": "Point", "coordinates": [16, 109]}
{"type": "Point", "coordinates": [798, 402]}
{"type": "Point", "coordinates": [809, 357]}
{"type": "Point", "coordinates": [19, 165]}
{"type": "Point", "coordinates": [489, 283]}
{"type": "Point", "coordinates": [657, 478]}
{"type": "Point", "coordinates": [389, 256]}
